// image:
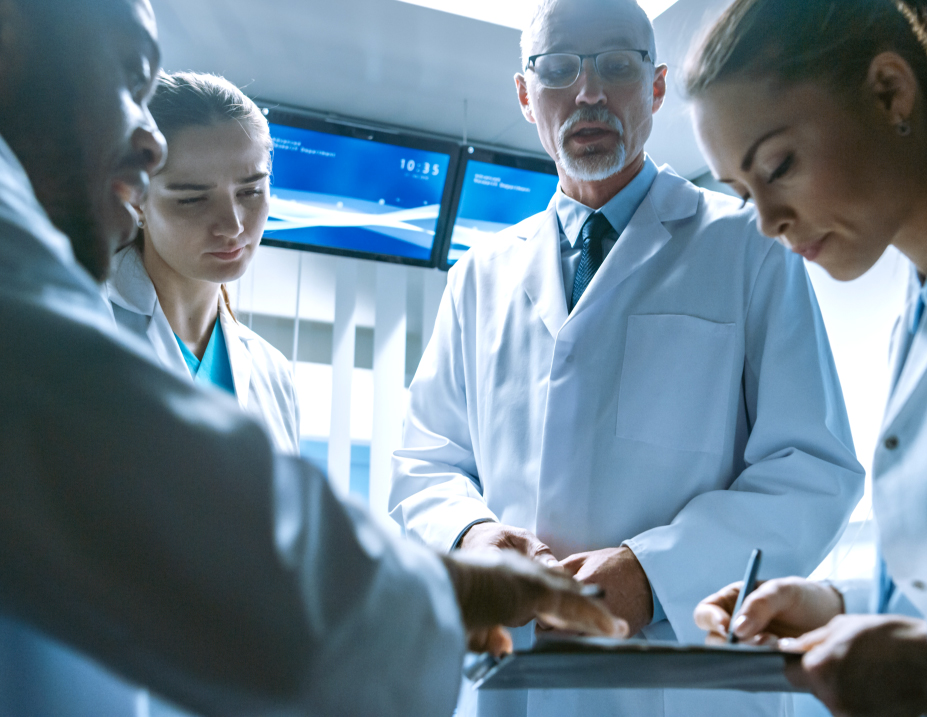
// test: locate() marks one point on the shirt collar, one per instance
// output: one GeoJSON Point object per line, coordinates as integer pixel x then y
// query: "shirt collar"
{"type": "Point", "coordinates": [19, 206]}
{"type": "Point", "coordinates": [618, 210]}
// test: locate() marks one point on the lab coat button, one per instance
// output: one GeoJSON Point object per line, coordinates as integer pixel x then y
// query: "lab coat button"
{"type": "Point", "coordinates": [891, 443]}
{"type": "Point", "coordinates": [919, 585]}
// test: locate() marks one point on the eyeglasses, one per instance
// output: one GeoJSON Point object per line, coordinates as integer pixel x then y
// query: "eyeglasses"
{"type": "Point", "coordinates": [556, 70]}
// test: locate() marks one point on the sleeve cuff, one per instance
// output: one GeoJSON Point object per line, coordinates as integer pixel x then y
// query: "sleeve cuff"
{"type": "Point", "coordinates": [460, 535]}
{"type": "Point", "coordinates": [658, 613]}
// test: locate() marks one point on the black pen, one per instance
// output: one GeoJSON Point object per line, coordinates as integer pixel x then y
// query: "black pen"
{"type": "Point", "coordinates": [753, 567]}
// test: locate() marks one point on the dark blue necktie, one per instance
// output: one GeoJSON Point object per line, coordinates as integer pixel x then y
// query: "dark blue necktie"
{"type": "Point", "coordinates": [918, 313]}
{"type": "Point", "coordinates": [593, 232]}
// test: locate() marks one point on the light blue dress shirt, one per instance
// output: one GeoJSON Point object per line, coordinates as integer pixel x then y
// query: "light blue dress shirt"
{"type": "Point", "coordinates": [618, 210]}
{"type": "Point", "coordinates": [215, 368]}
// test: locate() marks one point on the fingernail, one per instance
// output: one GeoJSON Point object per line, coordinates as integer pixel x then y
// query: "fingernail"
{"type": "Point", "coordinates": [788, 644]}
{"type": "Point", "coordinates": [551, 562]}
{"type": "Point", "coordinates": [741, 626]}
{"type": "Point", "coordinates": [592, 591]}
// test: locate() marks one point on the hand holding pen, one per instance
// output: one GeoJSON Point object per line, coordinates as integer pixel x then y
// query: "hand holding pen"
{"type": "Point", "coordinates": [784, 607]}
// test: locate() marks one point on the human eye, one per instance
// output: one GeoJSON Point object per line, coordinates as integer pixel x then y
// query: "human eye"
{"type": "Point", "coordinates": [556, 68]}
{"type": "Point", "coordinates": [782, 169]}
{"type": "Point", "coordinates": [252, 192]}
{"type": "Point", "coordinates": [187, 201]}
{"type": "Point", "coordinates": [617, 65]}
{"type": "Point", "coordinates": [139, 77]}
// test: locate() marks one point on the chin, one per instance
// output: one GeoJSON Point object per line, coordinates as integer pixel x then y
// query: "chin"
{"type": "Point", "coordinates": [843, 270]}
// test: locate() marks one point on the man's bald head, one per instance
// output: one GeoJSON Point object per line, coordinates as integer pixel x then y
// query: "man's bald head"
{"type": "Point", "coordinates": [547, 11]}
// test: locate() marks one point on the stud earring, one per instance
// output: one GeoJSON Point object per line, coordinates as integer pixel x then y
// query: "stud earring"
{"type": "Point", "coordinates": [903, 128]}
{"type": "Point", "coordinates": [141, 223]}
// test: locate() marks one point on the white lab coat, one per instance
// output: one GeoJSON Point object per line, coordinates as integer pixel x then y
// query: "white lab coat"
{"type": "Point", "coordinates": [899, 468]}
{"type": "Point", "coordinates": [262, 376]}
{"type": "Point", "coordinates": [688, 407]}
{"type": "Point", "coordinates": [150, 525]}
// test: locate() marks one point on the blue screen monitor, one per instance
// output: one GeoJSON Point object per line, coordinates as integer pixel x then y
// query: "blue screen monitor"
{"type": "Point", "coordinates": [368, 193]}
{"type": "Point", "coordinates": [496, 190]}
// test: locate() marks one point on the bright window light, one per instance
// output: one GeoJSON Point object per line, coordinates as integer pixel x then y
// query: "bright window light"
{"type": "Point", "coordinates": [512, 13]}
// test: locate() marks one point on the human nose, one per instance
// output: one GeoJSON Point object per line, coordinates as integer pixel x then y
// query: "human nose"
{"type": "Point", "coordinates": [774, 219]}
{"type": "Point", "coordinates": [591, 87]}
{"type": "Point", "coordinates": [227, 221]}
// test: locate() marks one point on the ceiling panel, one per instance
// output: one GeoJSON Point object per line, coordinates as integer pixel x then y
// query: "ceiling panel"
{"type": "Point", "coordinates": [396, 63]}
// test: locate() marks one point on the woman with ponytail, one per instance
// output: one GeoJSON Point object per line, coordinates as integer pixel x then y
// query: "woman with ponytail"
{"type": "Point", "coordinates": [199, 227]}
{"type": "Point", "coordinates": [816, 110]}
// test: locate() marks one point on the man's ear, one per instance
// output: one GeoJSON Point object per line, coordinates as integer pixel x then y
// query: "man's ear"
{"type": "Point", "coordinates": [894, 87]}
{"type": "Point", "coordinates": [659, 87]}
{"type": "Point", "coordinates": [524, 100]}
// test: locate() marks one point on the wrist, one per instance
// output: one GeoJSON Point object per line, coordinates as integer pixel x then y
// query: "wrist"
{"type": "Point", "coordinates": [835, 595]}
{"type": "Point", "coordinates": [471, 531]}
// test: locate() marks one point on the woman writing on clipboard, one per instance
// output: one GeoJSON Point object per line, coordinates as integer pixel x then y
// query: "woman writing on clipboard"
{"type": "Point", "coordinates": [198, 229]}
{"type": "Point", "coordinates": [817, 110]}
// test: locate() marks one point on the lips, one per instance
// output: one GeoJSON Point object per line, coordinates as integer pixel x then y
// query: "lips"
{"type": "Point", "coordinates": [811, 250]}
{"type": "Point", "coordinates": [230, 255]}
{"type": "Point", "coordinates": [590, 131]}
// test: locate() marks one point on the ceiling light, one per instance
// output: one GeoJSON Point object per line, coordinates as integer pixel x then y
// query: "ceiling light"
{"type": "Point", "coordinates": [512, 13]}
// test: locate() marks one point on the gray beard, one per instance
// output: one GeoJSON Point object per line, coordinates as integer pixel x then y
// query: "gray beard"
{"type": "Point", "coordinates": [594, 165]}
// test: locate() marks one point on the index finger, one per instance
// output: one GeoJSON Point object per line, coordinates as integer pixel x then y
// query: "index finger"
{"type": "Point", "coordinates": [713, 614]}
{"type": "Point", "coordinates": [768, 602]}
{"type": "Point", "coordinates": [570, 610]}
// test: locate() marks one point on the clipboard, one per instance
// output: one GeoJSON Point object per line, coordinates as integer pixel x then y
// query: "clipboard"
{"type": "Point", "coordinates": [603, 663]}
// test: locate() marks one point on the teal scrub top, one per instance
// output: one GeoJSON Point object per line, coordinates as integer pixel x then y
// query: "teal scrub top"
{"type": "Point", "coordinates": [215, 368]}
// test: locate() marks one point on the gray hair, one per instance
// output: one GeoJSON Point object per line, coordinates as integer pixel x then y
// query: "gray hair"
{"type": "Point", "coordinates": [545, 8]}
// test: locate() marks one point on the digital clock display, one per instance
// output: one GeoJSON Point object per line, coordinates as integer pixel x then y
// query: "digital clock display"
{"type": "Point", "coordinates": [425, 168]}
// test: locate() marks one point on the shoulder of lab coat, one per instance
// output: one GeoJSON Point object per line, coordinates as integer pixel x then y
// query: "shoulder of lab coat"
{"type": "Point", "coordinates": [794, 480]}
{"type": "Point", "coordinates": [263, 378]}
{"type": "Point", "coordinates": [273, 596]}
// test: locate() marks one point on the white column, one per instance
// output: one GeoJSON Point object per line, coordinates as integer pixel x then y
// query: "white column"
{"type": "Point", "coordinates": [389, 359]}
{"type": "Point", "coordinates": [434, 283]}
{"type": "Point", "coordinates": [343, 335]}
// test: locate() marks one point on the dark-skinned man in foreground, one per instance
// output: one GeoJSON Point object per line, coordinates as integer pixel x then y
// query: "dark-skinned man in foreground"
{"type": "Point", "coordinates": [149, 524]}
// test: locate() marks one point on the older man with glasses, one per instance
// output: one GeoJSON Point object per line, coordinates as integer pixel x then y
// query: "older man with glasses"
{"type": "Point", "coordinates": [633, 384]}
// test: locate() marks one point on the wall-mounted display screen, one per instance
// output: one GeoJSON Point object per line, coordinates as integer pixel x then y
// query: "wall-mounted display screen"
{"type": "Point", "coordinates": [496, 190]}
{"type": "Point", "coordinates": [345, 190]}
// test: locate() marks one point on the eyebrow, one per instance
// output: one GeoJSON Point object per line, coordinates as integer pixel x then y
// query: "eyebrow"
{"type": "Point", "coordinates": [751, 153]}
{"type": "Point", "coordinates": [191, 187]}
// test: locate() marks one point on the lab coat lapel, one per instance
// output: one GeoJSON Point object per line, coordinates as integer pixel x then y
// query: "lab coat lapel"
{"type": "Point", "coordinates": [910, 364]}
{"type": "Point", "coordinates": [239, 356]}
{"type": "Point", "coordinates": [670, 198]}
{"type": "Point", "coordinates": [130, 287]}
{"type": "Point", "coordinates": [164, 342]}
{"type": "Point", "coordinates": [543, 273]}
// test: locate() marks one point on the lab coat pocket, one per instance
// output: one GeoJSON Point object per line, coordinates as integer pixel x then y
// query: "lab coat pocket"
{"type": "Point", "coordinates": [676, 382]}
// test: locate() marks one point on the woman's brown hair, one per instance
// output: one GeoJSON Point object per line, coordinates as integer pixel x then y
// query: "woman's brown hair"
{"type": "Point", "coordinates": [792, 41]}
